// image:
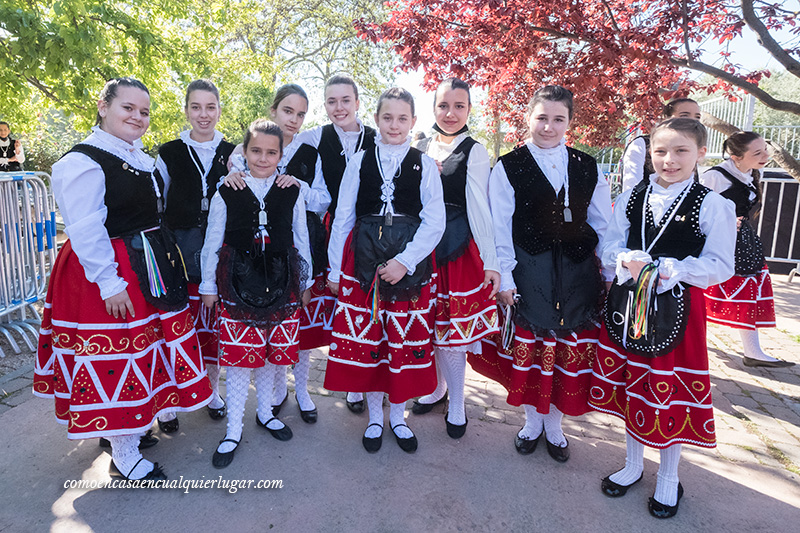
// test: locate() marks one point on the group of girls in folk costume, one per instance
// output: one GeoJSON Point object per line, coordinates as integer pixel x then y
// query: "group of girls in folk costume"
{"type": "Point", "coordinates": [670, 238]}
{"type": "Point", "coordinates": [11, 153]}
{"type": "Point", "coordinates": [744, 301]}
{"type": "Point", "coordinates": [117, 346]}
{"type": "Point", "coordinates": [389, 217]}
{"type": "Point", "coordinates": [636, 164]}
{"type": "Point", "coordinates": [191, 167]}
{"type": "Point", "coordinates": [300, 167]}
{"type": "Point", "coordinates": [256, 264]}
{"type": "Point", "coordinates": [551, 206]}
{"type": "Point", "coordinates": [467, 271]}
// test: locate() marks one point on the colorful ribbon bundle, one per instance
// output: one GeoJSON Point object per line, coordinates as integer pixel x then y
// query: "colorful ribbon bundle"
{"type": "Point", "coordinates": [157, 287]}
{"type": "Point", "coordinates": [644, 298]}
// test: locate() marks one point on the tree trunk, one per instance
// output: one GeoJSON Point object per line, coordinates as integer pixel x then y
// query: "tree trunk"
{"type": "Point", "coordinates": [779, 154]}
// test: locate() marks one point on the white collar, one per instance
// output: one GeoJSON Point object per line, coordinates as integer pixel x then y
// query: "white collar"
{"type": "Point", "coordinates": [6, 142]}
{"type": "Point", "coordinates": [130, 153]}
{"type": "Point", "coordinates": [340, 132]}
{"type": "Point", "coordinates": [206, 145]}
{"type": "Point", "coordinates": [547, 152]}
{"type": "Point", "coordinates": [731, 167]}
{"type": "Point", "coordinates": [458, 139]}
{"type": "Point", "coordinates": [672, 188]}
{"type": "Point", "coordinates": [393, 149]}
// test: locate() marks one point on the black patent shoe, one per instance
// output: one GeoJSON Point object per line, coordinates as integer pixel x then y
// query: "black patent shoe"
{"type": "Point", "coordinates": [276, 409]}
{"type": "Point", "coordinates": [526, 446]}
{"type": "Point", "coordinates": [455, 431]}
{"type": "Point", "coordinates": [659, 510]}
{"type": "Point", "coordinates": [421, 408]}
{"type": "Point", "coordinates": [281, 434]}
{"type": "Point", "coordinates": [615, 490]}
{"type": "Point", "coordinates": [749, 361]}
{"type": "Point", "coordinates": [145, 441]}
{"type": "Point", "coordinates": [309, 417]}
{"type": "Point", "coordinates": [355, 407]}
{"type": "Point", "coordinates": [560, 454]}
{"type": "Point", "coordinates": [170, 426]}
{"type": "Point", "coordinates": [372, 444]}
{"type": "Point", "coordinates": [408, 445]}
{"type": "Point", "coordinates": [219, 412]}
{"type": "Point", "coordinates": [156, 474]}
{"type": "Point", "coordinates": [221, 460]}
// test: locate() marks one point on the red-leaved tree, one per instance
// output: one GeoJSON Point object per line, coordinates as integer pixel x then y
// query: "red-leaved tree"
{"type": "Point", "coordinates": [621, 58]}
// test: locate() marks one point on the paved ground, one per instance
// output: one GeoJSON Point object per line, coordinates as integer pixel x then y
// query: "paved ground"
{"type": "Point", "coordinates": [750, 482]}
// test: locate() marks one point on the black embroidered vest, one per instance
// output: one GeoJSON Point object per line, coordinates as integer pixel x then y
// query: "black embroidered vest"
{"type": "Point", "coordinates": [303, 164]}
{"type": "Point", "coordinates": [9, 152]}
{"type": "Point", "coordinates": [241, 226]}
{"type": "Point", "coordinates": [538, 222]}
{"type": "Point", "coordinates": [739, 194]}
{"type": "Point", "coordinates": [333, 159]}
{"type": "Point", "coordinates": [185, 191]}
{"type": "Point", "coordinates": [130, 198]}
{"type": "Point", "coordinates": [682, 238]}
{"type": "Point", "coordinates": [454, 172]}
{"type": "Point", "coordinates": [407, 183]}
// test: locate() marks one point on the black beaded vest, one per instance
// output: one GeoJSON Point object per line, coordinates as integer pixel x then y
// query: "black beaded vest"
{"type": "Point", "coordinates": [241, 226]}
{"type": "Point", "coordinates": [333, 159]}
{"type": "Point", "coordinates": [739, 194]}
{"type": "Point", "coordinates": [538, 222]}
{"type": "Point", "coordinates": [407, 183]}
{"type": "Point", "coordinates": [683, 238]}
{"type": "Point", "coordinates": [131, 201]}
{"type": "Point", "coordinates": [9, 152]}
{"type": "Point", "coordinates": [183, 208]}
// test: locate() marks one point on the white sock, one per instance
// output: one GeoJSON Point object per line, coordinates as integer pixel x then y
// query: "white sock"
{"type": "Point", "coordinates": [280, 390]}
{"type": "Point", "coordinates": [375, 406]}
{"type": "Point", "coordinates": [301, 369]}
{"type": "Point", "coordinates": [213, 378]}
{"type": "Point", "coordinates": [752, 348]}
{"type": "Point", "coordinates": [634, 463]}
{"type": "Point", "coordinates": [238, 384]}
{"type": "Point", "coordinates": [534, 424]}
{"type": "Point", "coordinates": [265, 377]}
{"type": "Point", "coordinates": [552, 427]}
{"type": "Point", "coordinates": [125, 454]}
{"type": "Point", "coordinates": [453, 365]}
{"type": "Point", "coordinates": [441, 386]}
{"type": "Point", "coordinates": [354, 397]}
{"type": "Point", "coordinates": [397, 415]}
{"type": "Point", "coordinates": [667, 479]}
{"type": "Point", "coordinates": [166, 417]}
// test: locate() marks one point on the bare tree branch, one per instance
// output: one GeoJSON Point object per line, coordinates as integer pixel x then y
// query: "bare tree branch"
{"type": "Point", "coordinates": [766, 40]}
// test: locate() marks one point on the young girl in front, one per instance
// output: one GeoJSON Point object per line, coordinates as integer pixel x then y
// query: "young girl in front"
{"type": "Point", "coordinates": [336, 143]}
{"type": "Point", "coordinates": [468, 275]}
{"type": "Point", "coordinates": [117, 346]}
{"type": "Point", "coordinates": [679, 236]}
{"type": "Point", "coordinates": [388, 221]}
{"type": "Point", "coordinates": [301, 167]}
{"type": "Point", "coordinates": [256, 263]}
{"type": "Point", "coordinates": [191, 167]}
{"type": "Point", "coordinates": [550, 206]}
{"type": "Point", "coordinates": [745, 301]}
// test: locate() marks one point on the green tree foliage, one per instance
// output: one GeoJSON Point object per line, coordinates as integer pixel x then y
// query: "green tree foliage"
{"type": "Point", "coordinates": [59, 53]}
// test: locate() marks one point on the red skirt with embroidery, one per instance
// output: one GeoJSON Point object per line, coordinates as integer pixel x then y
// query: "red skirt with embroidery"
{"type": "Point", "coordinates": [110, 376]}
{"type": "Point", "coordinates": [246, 346]}
{"type": "Point", "coordinates": [205, 323]}
{"type": "Point", "coordinates": [395, 355]}
{"type": "Point", "coordinates": [539, 370]}
{"type": "Point", "coordinates": [464, 312]}
{"type": "Point", "coordinates": [663, 400]}
{"type": "Point", "coordinates": [316, 317]}
{"type": "Point", "coordinates": [742, 302]}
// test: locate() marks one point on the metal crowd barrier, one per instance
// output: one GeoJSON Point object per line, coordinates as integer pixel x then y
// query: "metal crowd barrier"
{"type": "Point", "coordinates": [27, 253]}
{"type": "Point", "coordinates": [778, 220]}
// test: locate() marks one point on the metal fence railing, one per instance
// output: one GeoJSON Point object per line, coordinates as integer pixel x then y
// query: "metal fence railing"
{"type": "Point", "coordinates": [787, 136]}
{"type": "Point", "coordinates": [27, 253]}
{"type": "Point", "coordinates": [777, 223]}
